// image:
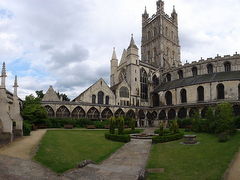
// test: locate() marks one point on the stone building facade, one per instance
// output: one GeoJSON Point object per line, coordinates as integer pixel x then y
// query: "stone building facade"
{"type": "Point", "coordinates": [157, 87]}
{"type": "Point", "coordinates": [11, 122]}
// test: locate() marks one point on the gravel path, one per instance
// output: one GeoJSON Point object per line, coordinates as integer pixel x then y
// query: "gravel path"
{"type": "Point", "coordinates": [234, 170]}
{"type": "Point", "coordinates": [24, 148]}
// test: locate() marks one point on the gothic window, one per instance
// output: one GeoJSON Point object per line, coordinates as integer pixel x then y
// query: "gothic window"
{"type": "Point", "coordinates": [78, 113]}
{"type": "Point", "coordinates": [50, 111]}
{"type": "Point", "coordinates": [119, 113]}
{"type": "Point", "coordinates": [155, 80]}
{"type": "Point", "coordinates": [63, 112]}
{"type": "Point", "coordinates": [227, 66]}
{"type": "Point", "coordinates": [168, 98]}
{"type": "Point", "coordinates": [220, 91]}
{"type": "Point", "coordinates": [122, 75]}
{"type": "Point", "coordinates": [200, 92]}
{"type": "Point", "coordinates": [93, 113]}
{"type": "Point", "coordinates": [144, 84]}
{"type": "Point", "coordinates": [107, 113]}
{"type": "Point", "coordinates": [124, 92]}
{"type": "Point", "coordinates": [130, 114]}
{"type": "Point", "coordinates": [155, 99]}
{"type": "Point", "coordinates": [183, 94]}
{"type": "Point", "coordinates": [182, 113]}
{"type": "Point", "coordinates": [100, 97]}
{"type": "Point", "coordinates": [162, 115]}
{"type": "Point", "coordinates": [107, 100]}
{"type": "Point", "coordinates": [194, 71]}
{"type": "Point", "coordinates": [210, 68]}
{"type": "Point", "coordinates": [169, 77]}
{"type": "Point", "coordinates": [93, 99]}
{"type": "Point", "coordinates": [180, 74]}
{"type": "Point", "coordinates": [171, 114]}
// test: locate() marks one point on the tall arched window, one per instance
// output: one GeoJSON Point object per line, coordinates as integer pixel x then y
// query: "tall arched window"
{"type": "Point", "coordinates": [107, 100]}
{"type": "Point", "coordinates": [200, 92]}
{"type": "Point", "coordinates": [50, 111]}
{"type": "Point", "coordinates": [227, 66]}
{"type": "Point", "coordinates": [210, 68]}
{"type": "Point", "coordinates": [106, 113]}
{"type": "Point", "coordinates": [155, 99]}
{"type": "Point", "coordinates": [78, 112]}
{"type": "Point", "coordinates": [94, 99]}
{"type": "Point", "coordinates": [183, 93]}
{"type": "Point", "coordinates": [155, 80]}
{"type": "Point", "coordinates": [93, 113]}
{"type": "Point", "coordinates": [169, 77]}
{"type": "Point", "coordinates": [180, 74]}
{"type": "Point", "coordinates": [100, 97]}
{"type": "Point", "coordinates": [220, 91]}
{"type": "Point", "coordinates": [124, 92]}
{"type": "Point", "coordinates": [168, 98]}
{"type": "Point", "coordinates": [162, 115]}
{"type": "Point", "coordinates": [144, 85]}
{"type": "Point", "coordinates": [194, 71]}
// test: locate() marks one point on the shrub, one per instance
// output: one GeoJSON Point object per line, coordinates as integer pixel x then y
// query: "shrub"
{"type": "Point", "coordinates": [27, 127]}
{"type": "Point", "coordinates": [223, 137]}
{"type": "Point", "coordinates": [165, 131]}
{"type": "Point", "coordinates": [112, 124]}
{"type": "Point", "coordinates": [184, 123]}
{"type": "Point", "coordinates": [237, 122]}
{"type": "Point", "coordinates": [132, 124]}
{"type": "Point", "coordinates": [130, 131]}
{"type": "Point", "coordinates": [167, 138]}
{"type": "Point", "coordinates": [161, 129]}
{"type": "Point", "coordinates": [120, 123]}
{"type": "Point", "coordinates": [118, 137]}
{"type": "Point", "coordinates": [174, 126]}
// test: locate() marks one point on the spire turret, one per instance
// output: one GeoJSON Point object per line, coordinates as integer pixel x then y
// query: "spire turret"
{"type": "Point", "coordinates": [160, 6]}
{"type": "Point", "coordinates": [132, 43]}
{"type": "Point", "coordinates": [3, 76]}
{"type": "Point", "coordinates": [15, 86]}
{"type": "Point", "coordinates": [145, 15]}
{"type": "Point", "coordinates": [174, 15]}
{"type": "Point", "coordinates": [114, 56]}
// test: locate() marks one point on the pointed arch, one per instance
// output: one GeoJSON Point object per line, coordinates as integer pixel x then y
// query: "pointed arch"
{"type": "Point", "coordinates": [93, 113]}
{"type": "Point", "coordinates": [200, 92]}
{"type": "Point", "coordinates": [203, 112]}
{"type": "Point", "coordinates": [168, 98]}
{"type": "Point", "coordinates": [227, 66]}
{"type": "Point", "coordinates": [183, 94]}
{"type": "Point", "coordinates": [141, 114]}
{"type": "Point", "coordinates": [180, 74]}
{"type": "Point", "coordinates": [130, 114]}
{"type": "Point", "coordinates": [124, 92]}
{"type": "Point", "coordinates": [78, 113]}
{"type": "Point", "coordinates": [107, 100]}
{"type": "Point", "coordinates": [220, 91]}
{"type": "Point", "coordinates": [50, 111]}
{"type": "Point", "coordinates": [119, 113]}
{"type": "Point", "coordinates": [182, 113]}
{"type": "Point", "coordinates": [192, 112]}
{"type": "Point", "coordinates": [144, 84]}
{"type": "Point", "coordinates": [149, 116]}
{"type": "Point", "coordinates": [194, 71]}
{"type": "Point", "coordinates": [100, 97]}
{"type": "Point", "coordinates": [154, 114]}
{"type": "Point", "coordinates": [162, 115]}
{"type": "Point", "coordinates": [93, 99]}
{"type": "Point", "coordinates": [171, 114]}
{"type": "Point", "coordinates": [63, 112]}
{"type": "Point", "coordinates": [106, 113]}
{"type": "Point", "coordinates": [155, 99]}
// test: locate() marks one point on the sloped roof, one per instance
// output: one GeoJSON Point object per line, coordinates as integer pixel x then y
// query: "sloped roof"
{"type": "Point", "coordinates": [206, 78]}
{"type": "Point", "coordinates": [50, 95]}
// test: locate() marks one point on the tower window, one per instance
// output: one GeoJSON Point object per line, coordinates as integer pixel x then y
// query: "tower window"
{"type": "Point", "coordinates": [227, 66]}
{"type": "Point", "coordinates": [210, 68]}
{"type": "Point", "coordinates": [124, 92]}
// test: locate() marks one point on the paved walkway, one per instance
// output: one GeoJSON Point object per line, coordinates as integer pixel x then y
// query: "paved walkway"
{"type": "Point", "coordinates": [234, 171]}
{"type": "Point", "coordinates": [24, 147]}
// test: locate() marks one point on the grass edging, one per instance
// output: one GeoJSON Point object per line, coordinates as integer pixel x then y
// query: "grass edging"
{"type": "Point", "coordinates": [167, 138]}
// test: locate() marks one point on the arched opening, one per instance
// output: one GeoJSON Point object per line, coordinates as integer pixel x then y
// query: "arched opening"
{"type": "Point", "coordinates": [50, 112]}
{"type": "Point", "coordinates": [171, 114]}
{"type": "Point", "coordinates": [93, 99]}
{"type": "Point", "coordinates": [144, 84]}
{"type": "Point", "coordinates": [183, 94]}
{"type": "Point", "coordinates": [107, 100]}
{"type": "Point", "coordinates": [194, 71]}
{"type": "Point", "coordinates": [182, 113]}
{"type": "Point", "coordinates": [155, 100]}
{"type": "Point", "coordinates": [169, 77]}
{"type": "Point", "coordinates": [141, 114]}
{"type": "Point", "coordinates": [236, 110]}
{"type": "Point", "coordinates": [124, 92]}
{"type": "Point", "coordinates": [106, 113]}
{"type": "Point", "coordinates": [130, 114]}
{"type": "Point", "coordinates": [93, 113]}
{"type": "Point", "coordinates": [192, 112]}
{"type": "Point", "coordinates": [63, 112]}
{"type": "Point", "coordinates": [220, 91]}
{"type": "Point", "coordinates": [239, 91]}
{"type": "Point", "coordinates": [200, 92]}
{"type": "Point", "coordinates": [227, 66]}
{"type": "Point", "coordinates": [100, 97]}
{"type": "Point", "coordinates": [162, 115]}
{"type": "Point", "coordinates": [203, 112]}
{"type": "Point", "coordinates": [155, 80]}
{"type": "Point", "coordinates": [180, 74]}
{"type": "Point", "coordinates": [154, 115]}
{"type": "Point", "coordinates": [78, 113]}
{"type": "Point", "coordinates": [210, 68]}
{"type": "Point", "coordinates": [119, 113]}
{"type": "Point", "coordinates": [168, 98]}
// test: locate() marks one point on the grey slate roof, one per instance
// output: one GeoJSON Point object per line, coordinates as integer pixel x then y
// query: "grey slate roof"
{"type": "Point", "coordinates": [206, 78]}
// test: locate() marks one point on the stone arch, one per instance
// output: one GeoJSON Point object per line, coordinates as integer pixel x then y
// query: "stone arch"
{"type": "Point", "coordinates": [50, 111]}
{"type": "Point", "coordinates": [192, 112]}
{"type": "Point", "coordinates": [63, 112]}
{"type": "Point", "coordinates": [154, 114]}
{"type": "Point", "coordinates": [236, 110]}
{"type": "Point", "coordinates": [130, 114]}
{"type": "Point", "coordinates": [200, 93]}
{"type": "Point", "coordinates": [168, 98]}
{"type": "Point", "coordinates": [194, 71]}
{"type": "Point", "coordinates": [210, 68]}
{"type": "Point", "coordinates": [227, 66]}
{"type": "Point", "coordinates": [78, 113]}
{"type": "Point", "coordinates": [171, 114]}
{"type": "Point", "coordinates": [220, 91]}
{"type": "Point", "coordinates": [119, 113]}
{"type": "Point", "coordinates": [100, 97]}
{"type": "Point", "coordinates": [204, 112]}
{"type": "Point", "coordinates": [162, 115]}
{"type": "Point", "coordinates": [155, 99]}
{"type": "Point", "coordinates": [183, 95]}
{"type": "Point", "coordinates": [93, 113]}
{"type": "Point", "coordinates": [141, 114]}
{"type": "Point", "coordinates": [182, 113]}
{"type": "Point", "coordinates": [169, 77]}
{"type": "Point", "coordinates": [106, 113]}
{"type": "Point", "coordinates": [149, 116]}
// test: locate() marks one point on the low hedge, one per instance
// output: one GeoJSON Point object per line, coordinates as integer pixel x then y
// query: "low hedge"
{"type": "Point", "coordinates": [165, 131]}
{"type": "Point", "coordinates": [167, 138]}
{"type": "Point", "coordinates": [130, 131]}
{"type": "Point", "coordinates": [117, 137]}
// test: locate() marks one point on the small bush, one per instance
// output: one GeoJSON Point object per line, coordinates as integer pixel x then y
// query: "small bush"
{"type": "Point", "coordinates": [184, 123]}
{"type": "Point", "coordinates": [118, 137]}
{"type": "Point", "coordinates": [27, 127]}
{"type": "Point", "coordinates": [112, 124]}
{"type": "Point", "coordinates": [167, 138]}
{"type": "Point", "coordinates": [161, 129]}
{"type": "Point", "coordinates": [132, 123]}
{"type": "Point", "coordinates": [120, 123]}
{"type": "Point", "coordinates": [130, 131]}
{"type": "Point", "coordinates": [223, 137]}
{"type": "Point", "coordinates": [237, 122]}
{"type": "Point", "coordinates": [165, 131]}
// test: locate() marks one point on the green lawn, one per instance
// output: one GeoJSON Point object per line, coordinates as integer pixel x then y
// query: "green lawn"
{"type": "Point", "coordinates": [61, 150]}
{"type": "Point", "coordinates": [205, 161]}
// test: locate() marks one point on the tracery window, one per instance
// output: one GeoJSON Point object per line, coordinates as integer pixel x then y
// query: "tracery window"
{"type": "Point", "coordinates": [144, 85]}
{"type": "Point", "coordinates": [107, 113]}
{"type": "Point", "coordinates": [227, 66]}
{"type": "Point", "coordinates": [63, 112]}
{"type": "Point", "coordinates": [155, 80]}
{"type": "Point", "coordinates": [210, 68]}
{"type": "Point", "coordinates": [78, 113]}
{"type": "Point", "coordinates": [119, 113]}
{"type": "Point", "coordinates": [124, 92]}
{"type": "Point", "coordinates": [50, 111]}
{"type": "Point", "coordinates": [100, 97]}
{"type": "Point", "coordinates": [220, 91]}
{"type": "Point", "coordinates": [93, 113]}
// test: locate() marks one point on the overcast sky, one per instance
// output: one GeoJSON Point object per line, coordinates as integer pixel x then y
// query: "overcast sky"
{"type": "Point", "coordinates": [68, 43]}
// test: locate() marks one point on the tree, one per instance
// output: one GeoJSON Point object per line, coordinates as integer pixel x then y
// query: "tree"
{"type": "Point", "coordinates": [112, 125]}
{"type": "Point", "coordinates": [64, 96]}
{"type": "Point", "coordinates": [39, 94]}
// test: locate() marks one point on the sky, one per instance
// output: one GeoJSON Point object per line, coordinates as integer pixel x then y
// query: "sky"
{"type": "Point", "coordinates": [69, 43]}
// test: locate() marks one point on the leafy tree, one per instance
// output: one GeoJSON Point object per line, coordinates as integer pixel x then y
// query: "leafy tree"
{"type": "Point", "coordinates": [39, 94]}
{"type": "Point", "coordinates": [64, 96]}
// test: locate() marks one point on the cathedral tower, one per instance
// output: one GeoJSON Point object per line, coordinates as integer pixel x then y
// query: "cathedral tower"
{"type": "Point", "coordinates": [160, 42]}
